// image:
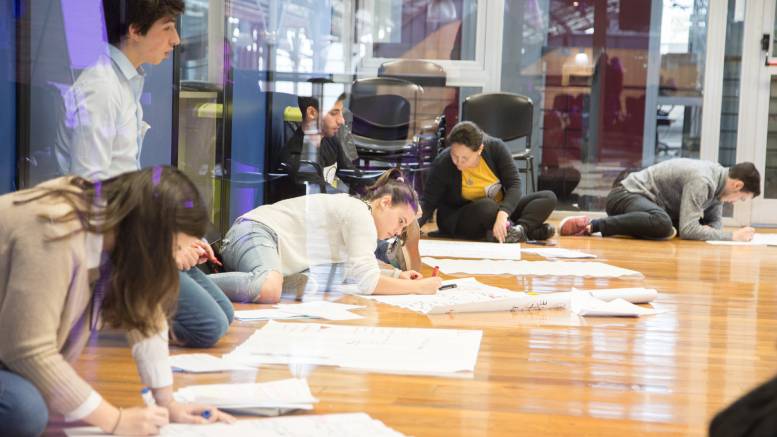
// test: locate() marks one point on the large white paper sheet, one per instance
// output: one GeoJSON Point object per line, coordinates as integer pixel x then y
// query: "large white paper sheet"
{"type": "Point", "coordinates": [203, 363]}
{"type": "Point", "coordinates": [583, 304]}
{"type": "Point", "coordinates": [315, 310]}
{"type": "Point", "coordinates": [531, 268]}
{"type": "Point", "coordinates": [632, 294]}
{"type": "Point", "coordinates": [326, 425]}
{"type": "Point", "coordinates": [470, 249]}
{"type": "Point", "coordinates": [758, 240]}
{"type": "Point", "coordinates": [286, 393]}
{"type": "Point", "coordinates": [379, 349]}
{"type": "Point", "coordinates": [471, 295]}
{"type": "Point", "coordinates": [558, 252]}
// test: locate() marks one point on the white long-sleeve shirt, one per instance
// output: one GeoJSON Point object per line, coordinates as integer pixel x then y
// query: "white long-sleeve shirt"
{"type": "Point", "coordinates": [321, 229]}
{"type": "Point", "coordinates": [101, 131]}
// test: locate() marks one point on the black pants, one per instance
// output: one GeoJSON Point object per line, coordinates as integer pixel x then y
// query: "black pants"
{"type": "Point", "coordinates": [634, 215]}
{"type": "Point", "coordinates": [474, 219]}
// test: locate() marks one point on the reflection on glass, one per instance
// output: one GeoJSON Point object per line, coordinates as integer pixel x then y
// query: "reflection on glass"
{"type": "Point", "coordinates": [770, 170]}
{"type": "Point", "coordinates": [417, 29]}
{"type": "Point", "coordinates": [586, 65]}
{"type": "Point", "coordinates": [729, 112]}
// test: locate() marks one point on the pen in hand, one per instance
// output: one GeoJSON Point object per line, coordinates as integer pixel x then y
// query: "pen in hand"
{"type": "Point", "coordinates": [447, 287]}
{"type": "Point", "coordinates": [148, 399]}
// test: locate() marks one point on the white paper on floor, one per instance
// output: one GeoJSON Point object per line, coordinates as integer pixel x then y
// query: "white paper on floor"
{"type": "Point", "coordinates": [292, 393]}
{"type": "Point", "coordinates": [758, 240]}
{"type": "Point", "coordinates": [531, 268]}
{"type": "Point", "coordinates": [325, 425]}
{"type": "Point", "coordinates": [558, 252]}
{"type": "Point", "coordinates": [320, 309]}
{"type": "Point", "coordinates": [203, 363]}
{"type": "Point", "coordinates": [471, 295]}
{"type": "Point", "coordinates": [470, 249]}
{"type": "Point", "coordinates": [583, 304]}
{"type": "Point", "coordinates": [632, 294]}
{"type": "Point", "coordinates": [379, 349]}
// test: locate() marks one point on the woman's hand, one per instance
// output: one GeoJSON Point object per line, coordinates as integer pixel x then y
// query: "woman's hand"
{"type": "Point", "coordinates": [500, 226]}
{"type": "Point", "coordinates": [411, 274]}
{"type": "Point", "coordinates": [428, 285]}
{"type": "Point", "coordinates": [205, 252]}
{"type": "Point", "coordinates": [141, 421]}
{"type": "Point", "coordinates": [187, 257]}
{"type": "Point", "coordinates": [196, 413]}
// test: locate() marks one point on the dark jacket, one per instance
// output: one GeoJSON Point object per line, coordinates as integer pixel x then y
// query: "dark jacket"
{"type": "Point", "coordinates": [330, 152]}
{"type": "Point", "coordinates": [443, 186]}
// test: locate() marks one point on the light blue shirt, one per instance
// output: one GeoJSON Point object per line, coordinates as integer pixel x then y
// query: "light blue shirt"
{"type": "Point", "coordinates": [101, 129]}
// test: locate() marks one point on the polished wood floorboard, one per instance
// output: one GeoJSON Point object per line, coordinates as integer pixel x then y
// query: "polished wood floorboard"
{"type": "Point", "coordinates": [543, 373]}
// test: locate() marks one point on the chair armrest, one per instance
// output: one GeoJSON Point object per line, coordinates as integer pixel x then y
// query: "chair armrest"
{"type": "Point", "coordinates": [522, 155]}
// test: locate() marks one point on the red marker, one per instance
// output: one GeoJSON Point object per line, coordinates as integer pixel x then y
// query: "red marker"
{"type": "Point", "coordinates": [436, 270]}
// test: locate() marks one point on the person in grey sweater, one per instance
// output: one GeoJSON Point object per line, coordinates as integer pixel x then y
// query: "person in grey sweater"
{"type": "Point", "coordinates": [682, 196]}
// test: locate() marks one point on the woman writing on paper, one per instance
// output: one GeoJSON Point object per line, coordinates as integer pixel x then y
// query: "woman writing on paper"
{"type": "Point", "coordinates": [271, 248]}
{"type": "Point", "coordinates": [79, 255]}
{"type": "Point", "coordinates": [388, 250]}
{"type": "Point", "coordinates": [475, 189]}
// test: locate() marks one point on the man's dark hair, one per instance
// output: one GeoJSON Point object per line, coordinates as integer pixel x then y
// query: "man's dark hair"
{"type": "Point", "coordinates": [749, 175]}
{"type": "Point", "coordinates": [121, 14]}
{"type": "Point", "coordinates": [467, 133]}
{"type": "Point", "coordinates": [305, 102]}
{"type": "Point", "coordinates": [342, 98]}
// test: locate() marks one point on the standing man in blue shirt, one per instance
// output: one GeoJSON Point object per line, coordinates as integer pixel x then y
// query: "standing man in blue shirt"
{"type": "Point", "coordinates": [101, 135]}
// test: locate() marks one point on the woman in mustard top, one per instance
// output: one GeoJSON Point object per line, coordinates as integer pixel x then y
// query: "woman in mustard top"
{"type": "Point", "coordinates": [476, 191]}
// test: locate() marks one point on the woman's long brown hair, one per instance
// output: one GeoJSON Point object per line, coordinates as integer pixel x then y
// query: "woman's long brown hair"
{"type": "Point", "coordinates": [144, 210]}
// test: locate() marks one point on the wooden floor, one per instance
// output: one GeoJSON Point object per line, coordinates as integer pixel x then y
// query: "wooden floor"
{"type": "Point", "coordinates": [544, 373]}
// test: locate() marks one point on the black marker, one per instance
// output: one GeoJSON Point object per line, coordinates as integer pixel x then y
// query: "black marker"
{"type": "Point", "coordinates": [448, 286]}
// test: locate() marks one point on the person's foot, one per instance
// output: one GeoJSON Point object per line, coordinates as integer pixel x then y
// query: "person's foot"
{"type": "Point", "coordinates": [299, 284]}
{"type": "Point", "coordinates": [575, 225]}
{"type": "Point", "coordinates": [516, 234]}
{"type": "Point", "coordinates": [543, 232]}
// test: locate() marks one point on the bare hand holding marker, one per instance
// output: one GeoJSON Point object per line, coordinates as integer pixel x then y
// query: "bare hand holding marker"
{"type": "Point", "coordinates": [411, 274]}
{"type": "Point", "coordinates": [206, 253]}
{"type": "Point", "coordinates": [428, 285]}
{"type": "Point", "coordinates": [500, 226]}
{"type": "Point", "coordinates": [188, 413]}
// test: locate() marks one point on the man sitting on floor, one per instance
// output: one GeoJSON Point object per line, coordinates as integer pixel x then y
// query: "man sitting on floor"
{"type": "Point", "coordinates": [684, 195]}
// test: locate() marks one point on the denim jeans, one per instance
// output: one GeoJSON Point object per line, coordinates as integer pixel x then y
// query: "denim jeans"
{"type": "Point", "coordinates": [250, 252]}
{"type": "Point", "coordinates": [23, 411]}
{"type": "Point", "coordinates": [204, 313]}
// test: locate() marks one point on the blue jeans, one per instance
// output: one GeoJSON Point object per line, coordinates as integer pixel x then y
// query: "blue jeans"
{"type": "Point", "coordinates": [204, 312]}
{"type": "Point", "coordinates": [250, 252]}
{"type": "Point", "coordinates": [23, 411]}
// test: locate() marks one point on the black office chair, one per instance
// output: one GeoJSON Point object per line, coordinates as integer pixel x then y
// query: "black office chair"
{"type": "Point", "coordinates": [382, 118]}
{"type": "Point", "coordinates": [431, 108]}
{"type": "Point", "coordinates": [506, 116]}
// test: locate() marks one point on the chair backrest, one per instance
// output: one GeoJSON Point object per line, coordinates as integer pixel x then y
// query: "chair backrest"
{"type": "Point", "coordinates": [382, 108]}
{"type": "Point", "coordinates": [503, 115]}
{"type": "Point", "coordinates": [423, 73]}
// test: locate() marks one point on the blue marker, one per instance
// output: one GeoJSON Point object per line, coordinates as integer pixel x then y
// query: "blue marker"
{"type": "Point", "coordinates": [147, 396]}
{"type": "Point", "coordinates": [205, 414]}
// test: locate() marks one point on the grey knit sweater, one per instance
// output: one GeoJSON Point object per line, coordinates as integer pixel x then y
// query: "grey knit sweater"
{"type": "Point", "coordinates": [688, 190]}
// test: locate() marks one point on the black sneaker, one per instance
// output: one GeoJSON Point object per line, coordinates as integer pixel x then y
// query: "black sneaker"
{"type": "Point", "coordinates": [516, 234]}
{"type": "Point", "coordinates": [543, 232]}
